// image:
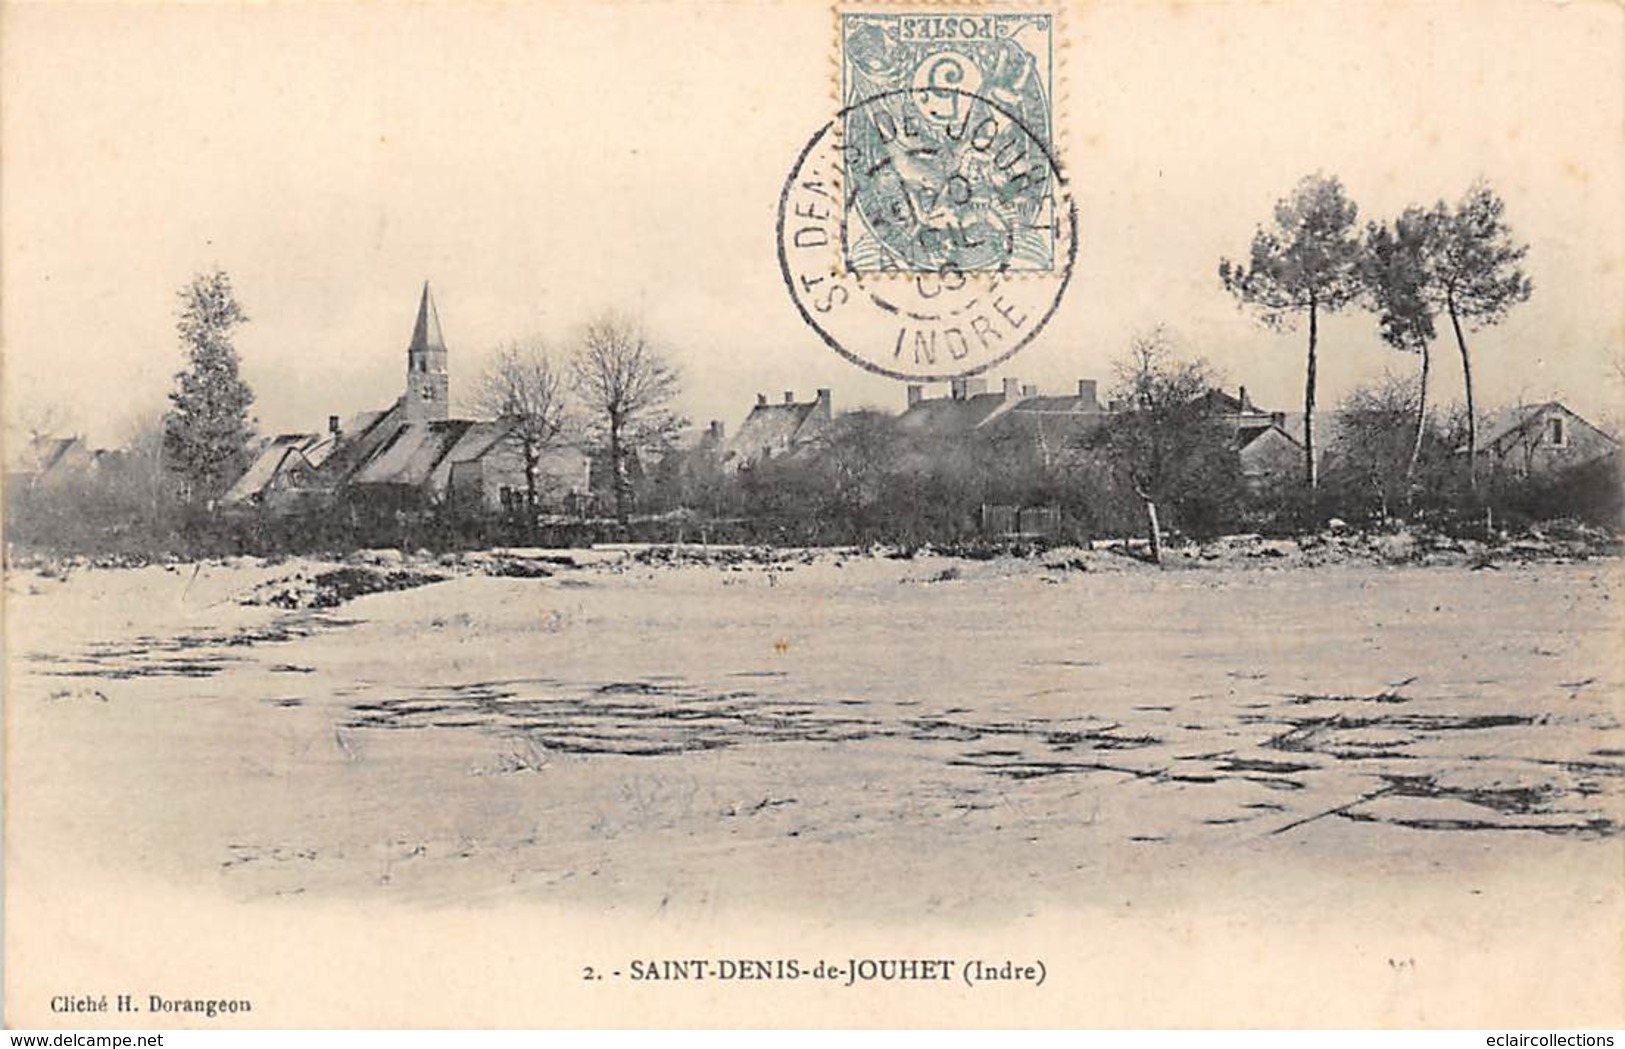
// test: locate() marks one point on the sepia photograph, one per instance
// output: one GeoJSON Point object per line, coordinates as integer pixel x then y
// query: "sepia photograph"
{"type": "Point", "coordinates": [1088, 514]}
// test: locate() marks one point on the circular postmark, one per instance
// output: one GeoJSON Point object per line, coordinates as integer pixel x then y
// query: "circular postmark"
{"type": "Point", "coordinates": [926, 233]}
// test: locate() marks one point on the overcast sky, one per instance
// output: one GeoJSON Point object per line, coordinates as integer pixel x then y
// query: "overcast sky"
{"type": "Point", "coordinates": [538, 163]}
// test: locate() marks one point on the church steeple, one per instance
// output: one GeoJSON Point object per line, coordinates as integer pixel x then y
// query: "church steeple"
{"type": "Point", "coordinates": [426, 333]}
{"type": "Point", "coordinates": [428, 385]}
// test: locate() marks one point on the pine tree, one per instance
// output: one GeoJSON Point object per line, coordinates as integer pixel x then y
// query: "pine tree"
{"type": "Point", "coordinates": [1476, 274]}
{"type": "Point", "coordinates": [207, 430]}
{"type": "Point", "coordinates": [1307, 263]}
{"type": "Point", "coordinates": [1399, 279]}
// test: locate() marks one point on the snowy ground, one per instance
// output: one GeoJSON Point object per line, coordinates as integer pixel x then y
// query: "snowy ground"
{"type": "Point", "coordinates": [904, 744]}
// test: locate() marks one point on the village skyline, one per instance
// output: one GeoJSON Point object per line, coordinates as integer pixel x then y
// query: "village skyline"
{"type": "Point", "coordinates": [331, 184]}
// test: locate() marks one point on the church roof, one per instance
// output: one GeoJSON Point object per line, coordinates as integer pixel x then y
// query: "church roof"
{"type": "Point", "coordinates": [409, 456]}
{"type": "Point", "coordinates": [426, 332]}
{"type": "Point", "coordinates": [421, 453]}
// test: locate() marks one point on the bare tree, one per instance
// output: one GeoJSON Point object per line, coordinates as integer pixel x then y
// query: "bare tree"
{"type": "Point", "coordinates": [143, 463]}
{"type": "Point", "coordinates": [627, 386]}
{"type": "Point", "coordinates": [1166, 440]}
{"type": "Point", "coordinates": [1378, 451]}
{"type": "Point", "coordinates": [1306, 263]}
{"type": "Point", "coordinates": [522, 387]}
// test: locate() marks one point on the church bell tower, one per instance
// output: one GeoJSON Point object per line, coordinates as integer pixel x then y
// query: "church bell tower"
{"type": "Point", "coordinates": [428, 386]}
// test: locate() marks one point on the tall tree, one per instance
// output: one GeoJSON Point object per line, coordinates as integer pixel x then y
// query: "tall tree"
{"type": "Point", "coordinates": [1477, 279]}
{"type": "Point", "coordinates": [207, 429]}
{"type": "Point", "coordinates": [522, 387]}
{"type": "Point", "coordinates": [627, 386]}
{"type": "Point", "coordinates": [1306, 263]}
{"type": "Point", "coordinates": [1398, 276]}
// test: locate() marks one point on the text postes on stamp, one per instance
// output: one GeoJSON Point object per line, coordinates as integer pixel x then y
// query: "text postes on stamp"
{"type": "Point", "coordinates": [925, 324]}
{"type": "Point", "coordinates": [942, 111]}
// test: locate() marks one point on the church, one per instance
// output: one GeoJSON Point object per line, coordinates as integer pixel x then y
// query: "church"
{"type": "Point", "coordinates": [411, 455]}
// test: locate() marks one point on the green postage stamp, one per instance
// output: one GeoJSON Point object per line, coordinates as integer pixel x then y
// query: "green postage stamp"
{"type": "Point", "coordinates": [927, 231]}
{"type": "Point", "coordinates": [947, 153]}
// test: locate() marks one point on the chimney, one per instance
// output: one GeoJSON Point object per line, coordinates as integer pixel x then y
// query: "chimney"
{"type": "Point", "coordinates": [1087, 391]}
{"type": "Point", "coordinates": [716, 429]}
{"type": "Point", "coordinates": [761, 400]}
{"type": "Point", "coordinates": [789, 396]}
{"type": "Point", "coordinates": [333, 425]}
{"type": "Point", "coordinates": [956, 389]}
{"type": "Point", "coordinates": [916, 394]}
{"type": "Point", "coordinates": [1243, 397]}
{"type": "Point", "coordinates": [1279, 419]}
{"type": "Point", "coordinates": [1029, 390]}
{"type": "Point", "coordinates": [1012, 388]}
{"type": "Point", "coordinates": [822, 404]}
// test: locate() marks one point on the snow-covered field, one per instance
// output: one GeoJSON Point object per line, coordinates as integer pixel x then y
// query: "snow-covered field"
{"type": "Point", "coordinates": [899, 743]}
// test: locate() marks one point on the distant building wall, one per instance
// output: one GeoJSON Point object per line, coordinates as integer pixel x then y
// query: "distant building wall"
{"type": "Point", "coordinates": [1271, 457]}
{"type": "Point", "coordinates": [495, 481]}
{"type": "Point", "coordinates": [1552, 439]}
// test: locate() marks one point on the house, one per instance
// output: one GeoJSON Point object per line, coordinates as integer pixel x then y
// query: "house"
{"type": "Point", "coordinates": [48, 462]}
{"type": "Point", "coordinates": [277, 464]}
{"type": "Point", "coordinates": [484, 483]}
{"type": "Point", "coordinates": [1534, 439]}
{"type": "Point", "coordinates": [1055, 425]}
{"type": "Point", "coordinates": [698, 457]}
{"type": "Point", "coordinates": [712, 441]}
{"type": "Point", "coordinates": [411, 455]}
{"type": "Point", "coordinates": [967, 408]}
{"type": "Point", "coordinates": [413, 466]}
{"type": "Point", "coordinates": [1049, 423]}
{"type": "Point", "coordinates": [775, 430]}
{"type": "Point", "coordinates": [1238, 407]}
{"type": "Point", "coordinates": [1270, 452]}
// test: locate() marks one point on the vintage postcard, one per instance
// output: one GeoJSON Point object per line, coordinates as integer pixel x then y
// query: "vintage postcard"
{"type": "Point", "coordinates": [721, 514]}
